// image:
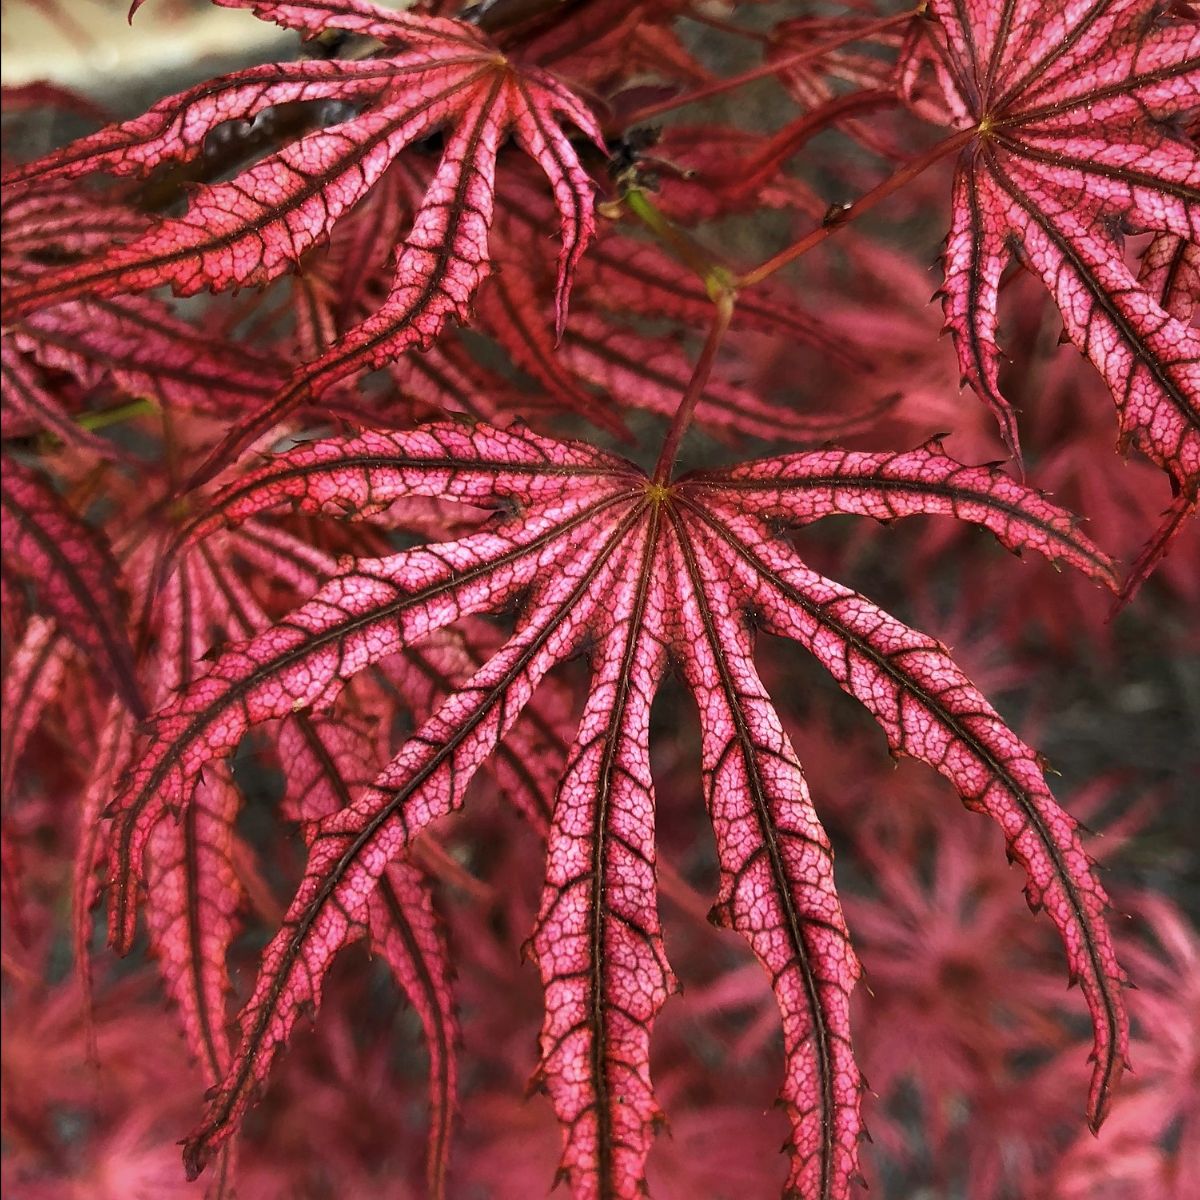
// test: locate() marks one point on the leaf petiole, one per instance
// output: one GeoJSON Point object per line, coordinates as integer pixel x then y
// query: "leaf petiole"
{"type": "Point", "coordinates": [107, 417]}
{"type": "Point", "coordinates": [724, 301]}
{"type": "Point", "coordinates": [716, 277]}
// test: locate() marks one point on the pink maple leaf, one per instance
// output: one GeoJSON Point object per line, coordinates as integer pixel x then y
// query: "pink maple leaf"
{"type": "Point", "coordinates": [1074, 112]}
{"type": "Point", "coordinates": [637, 568]}
{"type": "Point", "coordinates": [438, 75]}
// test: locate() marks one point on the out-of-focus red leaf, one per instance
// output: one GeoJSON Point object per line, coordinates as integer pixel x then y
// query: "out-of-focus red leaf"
{"type": "Point", "coordinates": [73, 572]}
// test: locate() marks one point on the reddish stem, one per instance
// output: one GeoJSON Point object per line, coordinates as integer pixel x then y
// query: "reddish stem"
{"type": "Point", "coordinates": [863, 204]}
{"type": "Point", "coordinates": [695, 388]}
{"type": "Point", "coordinates": [766, 70]}
{"type": "Point", "coordinates": [726, 27]}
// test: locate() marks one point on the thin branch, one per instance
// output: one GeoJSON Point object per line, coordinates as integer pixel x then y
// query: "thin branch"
{"type": "Point", "coordinates": [726, 27]}
{"type": "Point", "coordinates": [863, 204]}
{"type": "Point", "coordinates": [754, 171]}
{"type": "Point", "coordinates": [766, 70]}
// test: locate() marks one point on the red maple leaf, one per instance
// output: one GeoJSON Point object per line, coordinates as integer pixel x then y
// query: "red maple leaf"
{"type": "Point", "coordinates": [439, 75]}
{"type": "Point", "coordinates": [638, 568]}
{"type": "Point", "coordinates": [1076, 140]}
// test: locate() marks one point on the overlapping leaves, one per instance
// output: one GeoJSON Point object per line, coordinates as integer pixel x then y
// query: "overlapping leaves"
{"type": "Point", "coordinates": [440, 75]}
{"type": "Point", "coordinates": [131, 344]}
{"type": "Point", "coordinates": [597, 555]}
{"type": "Point", "coordinates": [1076, 134]}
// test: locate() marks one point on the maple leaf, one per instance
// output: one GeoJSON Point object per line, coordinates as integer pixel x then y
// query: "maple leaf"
{"type": "Point", "coordinates": [604, 556]}
{"type": "Point", "coordinates": [133, 342]}
{"type": "Point", "coordinates": [447, 78]}
{"type": "Point", "coordinates": [1074, 112]}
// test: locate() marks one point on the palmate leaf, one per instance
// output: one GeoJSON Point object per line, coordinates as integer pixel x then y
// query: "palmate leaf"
{"type": "Point", "coordinates": [598, 555]}
{"type": "Point", "coordinates": [1078, 115]}
{"type": "Point", "coordinates": [447, 78]}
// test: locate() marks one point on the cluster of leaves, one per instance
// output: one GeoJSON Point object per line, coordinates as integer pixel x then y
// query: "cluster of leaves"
{"type": "Point", "coordinates": [243, 680]}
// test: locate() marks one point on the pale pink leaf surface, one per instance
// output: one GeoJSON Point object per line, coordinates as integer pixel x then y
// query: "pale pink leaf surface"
{"type": "Point", "coordinates": [600, 555]}
{"type": "Point", "coordinates": [425, 781]}
{"type": "Point", "coordinates": [1170, 272]}
{"type": "Point", "coordinates": [439, 268]}
{"type": "Point", "coordinates": [801, 488]}
{"type": "Point", "coordinates": [311, 17]}
{"type": "Point", "coordinates": [248, 231]}
{"type": "Point", "coordinates": [175, 128]}
{"type": "Point", "coordinates": [364, 617]}
{"type": "Point", "coordinates": [363, 476]}
{"type": "Point", "coordinates": [136, 342]}
{"type": "Point", "coordinates": [777, 885]}
{"type": "Point", "coordinates": [147, 351]}
{"type": "Point", "coordinates": [528, 763]}
{"type": "Point", "coordinates": [192, 890]}
{"type": "Point", "coordinates": [1074, 111]}
{"type": "Point", "coordinates": [930, 710]}
{"type": "Point", "coordinates": [72, 571]}
{"type": "Point", "coordinates": [597, 941]}
{"type": "Point", "coordinates": [62, 219]}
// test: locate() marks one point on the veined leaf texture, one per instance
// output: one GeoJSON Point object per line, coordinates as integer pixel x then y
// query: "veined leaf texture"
{"type": "Point", "coordinates": [535, 457]}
